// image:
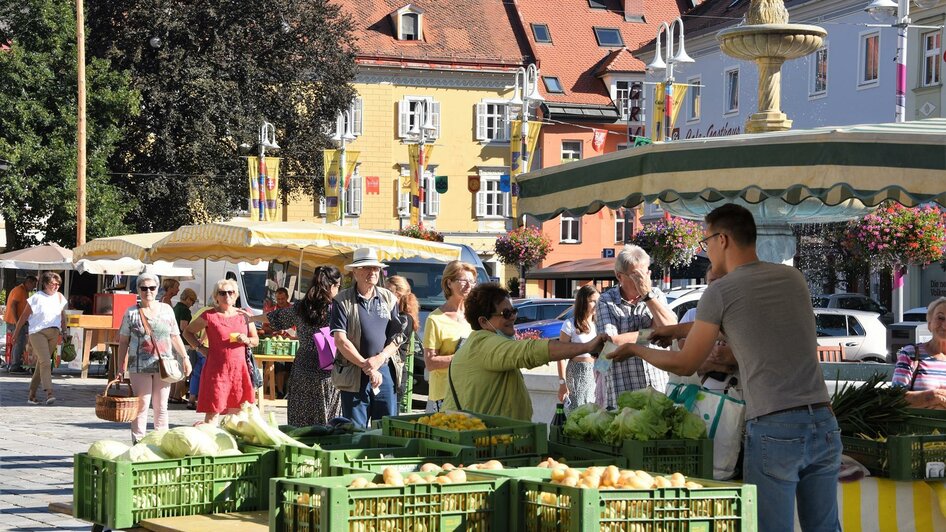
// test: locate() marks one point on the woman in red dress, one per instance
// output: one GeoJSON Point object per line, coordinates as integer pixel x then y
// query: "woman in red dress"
{"type": "Point", "coordinates": [225, 382]}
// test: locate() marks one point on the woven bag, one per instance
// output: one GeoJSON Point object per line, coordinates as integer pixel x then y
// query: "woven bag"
{"type": "Point", "coordinates": [113, 405]}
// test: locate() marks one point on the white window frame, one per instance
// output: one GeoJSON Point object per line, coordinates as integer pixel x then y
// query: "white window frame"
{"type": "Point", "coordinates": [489, 198]}
{"type": "Point", "coordinates": [622, 96]}
{"type": "Point", "coordinates": [619, 225]}
{"type": "Point", "coordinates": [694, 98]}
{"type": "Point", "coordinates": [564, 151]}
{"type": "Point", "coordinates": [820, 56]}
{"type": "Point", "coordinates": [356, 128]}
{"type": "Point", "coordinates": [407, 108]}
{"type": "Point", "coordinates": [497, 133]}
{"type": "Point", "coordinates": [862, 59]}
{"type": "Point", "coordinates": [571, 225]}
{"type": "Point", "coordinates": [419, 26]}
{"type": "Point", "coordinates": [932, 58]}
{"type": "Point", "coordinates": [354, 193]}
{"type": "Point", "coordinates": [430, 204]}
{"type": "Point", "coordinates": [729, 90]}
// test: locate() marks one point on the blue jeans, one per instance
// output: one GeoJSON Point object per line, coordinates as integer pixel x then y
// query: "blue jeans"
{"type": "Point", "coordinates": [197, 366]}
{"type": "Point", "coordinates": [364, 405]}
{"type": "Point", "coordinates": [19, 345]}
{"type": "Point", "coordinates": [795, 453]}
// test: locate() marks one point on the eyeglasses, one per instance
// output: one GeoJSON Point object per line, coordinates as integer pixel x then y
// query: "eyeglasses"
{"type": "Point", "coordinates": [705, 240]}
{"type": "Point", "coordinates": [225, 292]}
{"type": "Point", "coordinates": [508, 313]}
{"type": "Point", "coordinates": [147, 288]}
{"type": "Point", "coordinates": [465, 282]}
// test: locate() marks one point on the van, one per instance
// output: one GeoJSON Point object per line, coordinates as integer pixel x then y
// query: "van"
{"type": "Point", "coordinates": [424, 276]}
{"type": "Point", "coordinates": [250, 280]}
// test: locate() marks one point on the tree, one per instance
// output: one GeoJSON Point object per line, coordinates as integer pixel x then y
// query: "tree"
{"type": "Point", "coordinates": [38, 128]}
{"type": "Point", "coordinates": [209, 73]}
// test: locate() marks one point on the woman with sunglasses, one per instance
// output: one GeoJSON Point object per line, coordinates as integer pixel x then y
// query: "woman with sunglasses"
{"type": "Point", "coordinates": [148, 331]}
{"type": "Point", "coordinates": [485, 376]}
{"type": "Point", "coordinates": [46, 316]}
{"type": "Point", "coordinates": [225, 380]}
{"type": "Point", "coordinates": [446, 328]}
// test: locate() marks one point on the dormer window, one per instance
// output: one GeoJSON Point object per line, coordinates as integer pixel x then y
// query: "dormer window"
{"type": "Point", "coordinates": [409, 23]}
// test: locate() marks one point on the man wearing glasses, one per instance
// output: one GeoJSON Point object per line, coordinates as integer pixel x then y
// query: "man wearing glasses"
{"type": "Point", "coordinates": [792, 440]}
{"type": "Point", "coordinates": [625, 309]}
{"type": "Point", "coordinates": [367, 334]}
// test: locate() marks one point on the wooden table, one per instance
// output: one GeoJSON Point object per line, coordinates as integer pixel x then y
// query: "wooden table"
{"type": "Point", "coordinates": [97, 329]}
{"type": "Point", "coordinates": [266, 395]}
{"type": "Point", "coordinates": [234, 522]}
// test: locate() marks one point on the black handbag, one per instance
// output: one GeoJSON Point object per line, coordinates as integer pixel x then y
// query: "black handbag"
{"type": "Point", "coordinates": [256, 376]}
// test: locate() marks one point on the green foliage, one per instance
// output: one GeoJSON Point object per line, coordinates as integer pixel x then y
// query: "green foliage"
{"type": "Point", "coordinates": [525, 246]}
{"type": "Point", "coordinates": [209, 73]}
{"type": "Point", "coordinates": [512, 284]}
{"type": "Point", "coordinates": [38, 117]}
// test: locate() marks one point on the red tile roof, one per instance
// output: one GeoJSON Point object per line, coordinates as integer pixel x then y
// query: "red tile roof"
{"type": "Point", "coordinates": [620, 60]}
{"type": "Point", "coordinates": [457, 34]}
{"type": "Point", "coordinates": [574, 56]}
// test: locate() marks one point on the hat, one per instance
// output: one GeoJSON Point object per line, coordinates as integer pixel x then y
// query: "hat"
{"type": "Point", "coordinates": [365, 257]}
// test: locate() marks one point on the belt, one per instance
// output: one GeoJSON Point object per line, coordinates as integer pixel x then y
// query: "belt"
{"type": "Point", "coordinates": [810, 408]}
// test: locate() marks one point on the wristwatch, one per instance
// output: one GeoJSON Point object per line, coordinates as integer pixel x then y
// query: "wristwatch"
{"type": "Point", "coordinates": [648, 296]}
{"type": "Point", "coordinates": [561, 381]}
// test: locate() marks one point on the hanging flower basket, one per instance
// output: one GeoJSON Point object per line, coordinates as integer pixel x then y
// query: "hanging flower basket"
{"type": "Point", "coordinates": [422, 233]}
{"type": "Point", "coordinates": [895, 236]}
{"type": "Point", "coordinates": [525, 246]}
{"type": "Point", "coordinates": [670, 243]}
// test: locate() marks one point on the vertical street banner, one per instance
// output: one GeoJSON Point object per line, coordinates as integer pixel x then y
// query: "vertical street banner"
{"type": "Point", "coordinates": [331, 163]}
{"type": "Point", "coordinates": [521, 148]}
{"type": "Point", "coordinates": [419, 155]}
{"type": "Point", "coordinates": [659, 121]}
{"type": "Point", "coordinates": [264, 188]}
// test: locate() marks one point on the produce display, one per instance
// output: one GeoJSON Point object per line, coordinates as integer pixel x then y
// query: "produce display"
{"type": "Point", "coordinates": [612, 478]}
{"type": "Point", "coordinates": [252, 428]}
{"type": "Point", "coordinates": [179, 442]}
{"type": "Point", "coordinates": [460, 421]}
{"type": "Point", "coordinates": [644, 415]}
{"type": "Point", "coordinates": [871, 409]}
{"type": "Point", "coordinates": [392, 477]}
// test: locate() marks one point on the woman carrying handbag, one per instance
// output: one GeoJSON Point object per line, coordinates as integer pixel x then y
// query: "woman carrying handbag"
{"type": "Point", "coordinates": [149, 332]}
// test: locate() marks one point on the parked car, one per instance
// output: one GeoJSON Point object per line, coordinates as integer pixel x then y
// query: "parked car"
{"type": "Point", "coordinates": [540, 308]}
{"type": "Point", "coordinates": [917, 314]}
{"type": "Point", "coordinates": [679, 291]}
{"type": "Point", "coordinates": [861, 333]}
{"type": "Point", "coordinates": [547, 328]}
{"type": "Point", "coordinates": [853, 302]}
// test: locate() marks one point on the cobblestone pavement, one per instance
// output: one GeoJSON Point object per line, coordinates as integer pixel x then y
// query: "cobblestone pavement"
{"type": "Point", "coordinates": [37, 444]}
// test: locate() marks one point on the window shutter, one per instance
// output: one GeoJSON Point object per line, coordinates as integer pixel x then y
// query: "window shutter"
{"type": "Point", "coordinates": [505, 131]}
{"type": "Point", "coordinates": [356, 117]}
{"type": "Point", "coordinates": [506, 204]}
{"type": "Point", "coordinates": [435, 117]}
{"type": "Point", "coordinates": [432, 197]}
{"type": "Point", "coordinates": [404, 204]}
{"type": "Point", "coordinates": [353, 203]}
{"type": "Point", "coordinates": [403, 122]}
{"type": "Point", "coordinates": [481, 202]}
{"type": "Point", "coordinates": [481, 121]}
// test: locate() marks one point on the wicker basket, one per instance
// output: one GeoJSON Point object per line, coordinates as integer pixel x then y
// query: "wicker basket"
{"type": "Point", "coordinates": [118, 407]}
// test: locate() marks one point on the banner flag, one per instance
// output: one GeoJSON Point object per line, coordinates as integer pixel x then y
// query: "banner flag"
{"type": "Point", "coordinates": [440, 184]}
{"type": "Point", "coordinates": [504, 185]}
{"type": "Point", "coordinates": [264, 188]}
{"type": "Point", "coordinates": [521, 148]}
{"type": "Point", "coordinates": [679, 91]}
{"type": "Point", "coordinates": [597, 141]}
{"type": "Point", "coordinates": [515, 147]}
{"type": "Point", "coordinates": [331, 164]}
{"type": "Point", "coordinates": [419, 155]}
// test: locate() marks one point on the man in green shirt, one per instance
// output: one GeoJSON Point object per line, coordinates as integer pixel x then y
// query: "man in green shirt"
{"type": "Point", "coordinates": [484, 376]}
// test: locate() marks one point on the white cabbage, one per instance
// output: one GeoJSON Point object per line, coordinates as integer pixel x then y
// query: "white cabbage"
{"type": "Point", "coordinates": [188, 441]}
{"type": "Point", "coordinates": [107, 449]}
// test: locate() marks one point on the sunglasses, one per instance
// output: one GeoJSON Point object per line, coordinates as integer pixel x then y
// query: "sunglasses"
{"type": "Point", "coordinates": [225, 292]}
{"type": "Point", "coordinates": [508, 313]}
{"type": "Point", "coordinates": [147, 288]}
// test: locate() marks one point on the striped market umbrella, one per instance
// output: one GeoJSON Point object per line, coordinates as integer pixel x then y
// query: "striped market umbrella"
{"type": "Point", "coordinates": [134, 246]}
{"type": "Point", "coordinates": [299, 242]}
{"type": "Point", "coordinates": [834, 166]}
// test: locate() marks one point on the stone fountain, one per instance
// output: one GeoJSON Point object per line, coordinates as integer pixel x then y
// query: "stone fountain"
{"type": "Point", "coordinates": [768, 39]}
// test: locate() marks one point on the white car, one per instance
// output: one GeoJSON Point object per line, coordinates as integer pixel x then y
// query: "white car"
{"type": "Point", "coordinates": [861, 333]}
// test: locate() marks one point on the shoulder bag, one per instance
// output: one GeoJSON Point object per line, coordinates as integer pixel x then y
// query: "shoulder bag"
{"type": "Point", "coordinates": [916, 368]}
{"type": "Point", "coordinates": [169, 366]}
{"type": "Point", "coordinates": [325, 347]}
{"type": "Point", "coordinates": [256, 375]}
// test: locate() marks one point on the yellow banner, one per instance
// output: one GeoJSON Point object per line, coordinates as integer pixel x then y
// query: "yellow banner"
{"type": "Point", "coordinates": [264, 189]}
{"type": "Point", "coordinates": [419, 155]}
{"type": "Point", "coordinates": [520, 156]}
{"type": "Point", "coordinates": [351, 159]}
{"type": "Point", "coordinates": [679, 92]}
{"type": "Point", "coordinates": [515, 148]}
{"type": "Point", "coordinates": [331, 163]}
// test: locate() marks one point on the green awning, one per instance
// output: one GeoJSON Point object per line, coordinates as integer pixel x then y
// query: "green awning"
{"type": "Point", "coordinates": [905, 162]}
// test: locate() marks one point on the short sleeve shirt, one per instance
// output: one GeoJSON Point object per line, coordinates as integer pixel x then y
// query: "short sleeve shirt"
{"type": "Point", "coordinates": [143, 350]}
{"type": "Point", "coordinates": [443, 335]}
{"type": "Point", "coordinates": [379, 324]}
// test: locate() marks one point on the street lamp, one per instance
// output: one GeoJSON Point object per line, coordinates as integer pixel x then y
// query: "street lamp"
{"type": "Point", "coordinates": [666, 64]}
{"type": "Point", "coordinates": [897, 15]}
{"type": "Point", "coordinates": [267, 139]}
{"type": "Point", "coordinates": [527, 93]}
{"type": "Point", "coordinates": [342, 136]}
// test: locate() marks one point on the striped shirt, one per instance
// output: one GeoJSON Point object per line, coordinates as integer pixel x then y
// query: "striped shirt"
{"type": "Point", "coordinates": [930, 375]}
{"type": "Point", "coordinates": [616, 315]}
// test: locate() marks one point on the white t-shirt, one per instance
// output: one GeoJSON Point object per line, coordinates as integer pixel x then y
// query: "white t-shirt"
{"type": "Point", "coordinates": [46, 311]}
{"type": "Point", "coordinates": [576, 337]}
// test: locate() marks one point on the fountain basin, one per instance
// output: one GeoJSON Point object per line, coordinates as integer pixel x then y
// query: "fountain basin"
{"type": "Point", "coordinates": [786, 41]}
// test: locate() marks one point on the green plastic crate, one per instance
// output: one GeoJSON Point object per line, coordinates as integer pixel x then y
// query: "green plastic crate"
{"type": "Point", "coordinates": [121, 494]}
{"type": "Point", "coordinates": [539, 505]}
{"type": "Point", "coordinates": [690, 457]}
{"type": "Point", "coordinates": [369, 454]}
{"type": "Point", "coordinates": [582, 457]}
{"type": "Point", "coordinates": [502, 436]}
{"type": "Point", "coordinates": [327, 504]}
{"type": "Point", "coordinates": [332, 439]}
{"type": "Point", "coordinates": [912, 454]}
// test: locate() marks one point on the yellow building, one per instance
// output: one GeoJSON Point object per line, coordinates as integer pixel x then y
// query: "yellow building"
{"type": "Point", "coordinates": [426, 63]}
